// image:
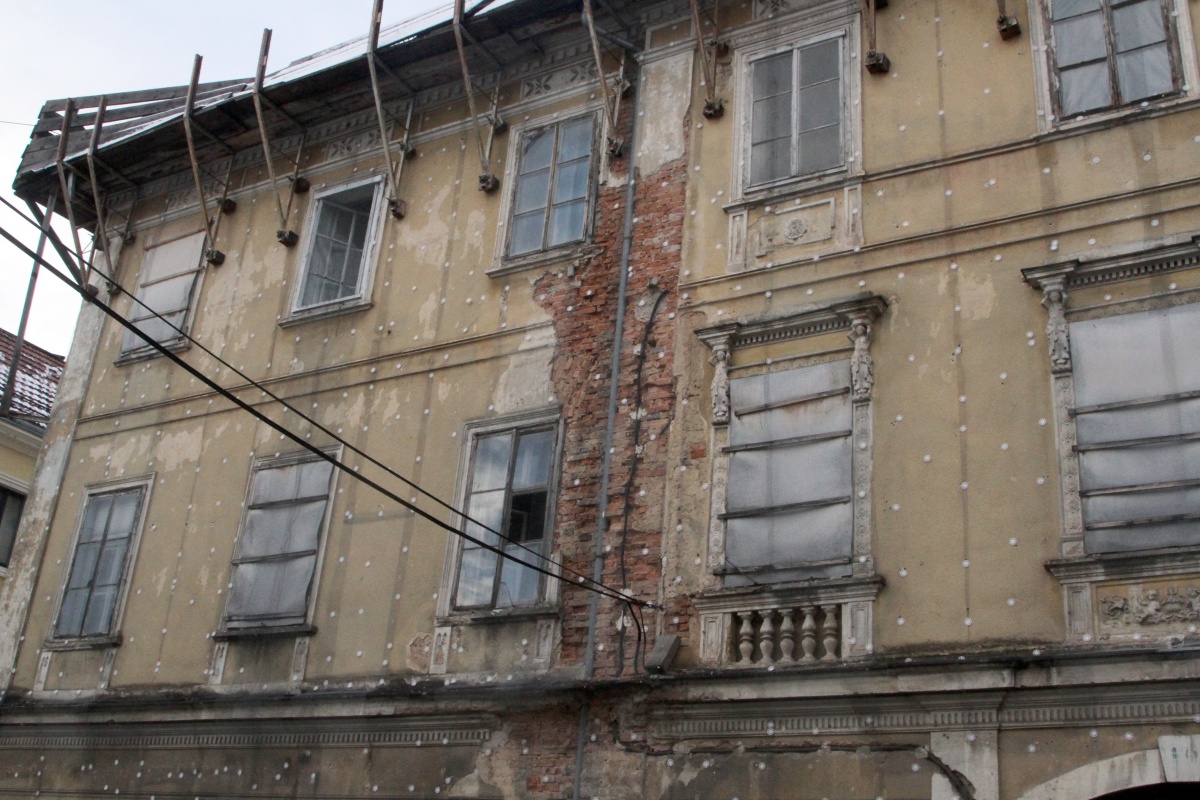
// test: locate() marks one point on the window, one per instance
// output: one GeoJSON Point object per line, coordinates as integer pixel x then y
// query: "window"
{"type": "Point", "coordinates": [11, 504]}
{"type": "Point", "coordinates": [100, 563]}
{"type": "Point", "coordinates": [1112, 52]}
{"type": "Point", "coordinates": [789, 502]}
{"type": "Point", "coordinates": [168, 280]}
{"type": "Point", "coordinates": [796, 111]}
{"type": "Point", "coordinates": [1137, 416]}
{"type": "Point", "coordinates": [509, 491]}
{"type": "Point", "coordinates": [552, 195]}
{"type": "Point", "coordinates": [278, 550]}
{"type": "Point", "coordinates": [340, 241]}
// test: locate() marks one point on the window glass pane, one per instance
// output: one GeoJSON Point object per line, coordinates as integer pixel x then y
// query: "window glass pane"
{"type": "Point", "coordinates": [537, 150]}
{"type": "Point", "coordinates": [1140, 422]}
{"type": "Point", "coordinates": [70, 616]}
{"type": "Point", "coordinates": [820, 62]}
{"type": "Point", "coordinates": [1085, 88]}
{"type": "Point", "coordinates": [1080, 39]}
{"type": "Point", "coordinates": [771, 161]}
{"type": "Point", "coordinates": [575, 140]}
{"type": "Point", "coordinates": [486, 509]}
{"type": "Point", "coordinates": [820, 149]}
{"type": "Point", "coordinates": [476, 575]}
{"type": "Point", "coordinates": [527, 230]}
{"type": "Point", "coordinates": [1144, 73]}
{"type": "Point", "coordinates": [1136, 355]}
{"type": "Point", "coordinates": [490, 470]}
{"type": "Point", "coordinates": [534, 456]}
{"type": "Point", "coordinates": [1061, 9]}
{"type": "Point", "coordinates": [567, 221]}
{"type": "Point", "coordinates": [274, 484]}
{"type": "Point", "coordinates": [1138, 25]}
{"type": "Point", "coordinates": [571, 181]}
{"type": "Point", "coordinates": [112, 562]}
{"type": "Point", "coordinates": [518, 583]}
{"type": "Point", "coordinates": [772, 119]}
{"type": "Point", "coordinates": [84, 566]}
{"type": "Point", "coordinates": [533, 190]}
{"type": "Point", "coordinates": [98, 618]}
{"type": "Point", "coordinates": [772, 76]}
{"type": "Point", "coordinates": [166, 296]}
{"type": "Point", "coordinates": [10, 516]}
{"type": "Point", "coordinates": [793, 474]}
{"type": "Point", "coordinates": [335, 256]}
{"type": "Point", "coordinates": [172, 258]}
{"type": "Point", "coordinates": [124, 514]}
{"type": "Point", "coordinates": [821, 534]}
{"type": "Point", "coordinates": [820, 105]}
{"type": "Point", "coordinates": [282, 529]}
{"type": "Point", "coordinates": [95, 518]}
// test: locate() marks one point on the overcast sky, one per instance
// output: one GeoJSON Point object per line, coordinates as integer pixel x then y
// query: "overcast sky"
{"type": "Point", "coordinates": [71, 48]}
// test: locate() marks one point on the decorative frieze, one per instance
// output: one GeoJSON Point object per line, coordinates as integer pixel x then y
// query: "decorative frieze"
{"type": "Point", "coordinates": [353, 144]}
{"type": "Point", "coordinates": [1151, 607]}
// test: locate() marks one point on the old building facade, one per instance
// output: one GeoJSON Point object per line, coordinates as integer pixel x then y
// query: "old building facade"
{"type": "Point", "coordinates": [850, 347]}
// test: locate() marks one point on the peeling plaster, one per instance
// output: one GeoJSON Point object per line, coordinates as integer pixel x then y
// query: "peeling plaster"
{"type": "Point", "coordinates": [667, 91]}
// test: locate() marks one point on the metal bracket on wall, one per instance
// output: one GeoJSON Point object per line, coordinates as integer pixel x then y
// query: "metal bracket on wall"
{"type": "Point", "coordinates": [876, 62]}
{"type": "Point", "coordinates": [286, 236]}
{"type": "Point", "coordinates": [396, 206]}
{"type": "Point", "coordinates": [1009, 26]}
{"type": "Point", "coordinates": [488, 182]}
{"type": "Point", "coordinates": [226, 205]}
{"type": "Point", "coordinates": [714, 107]}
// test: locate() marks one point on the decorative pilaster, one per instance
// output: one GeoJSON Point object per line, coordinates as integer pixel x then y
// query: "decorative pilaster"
{"type": "Point", "coordinates": [1054, 300]}
{"type": "Point", "coordinates": [862, 368]}
{"type": "Point", "coordinates": [720, 383]}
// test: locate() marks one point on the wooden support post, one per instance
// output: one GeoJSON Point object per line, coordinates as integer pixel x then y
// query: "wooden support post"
{"type": "Point", "coordinates": [487, 181]}
{"type": "Point", "coordinates": [67, 187]}
{"type": "Point", "coordinates": [100, 242]}
{"type": "Point", "coordinates": [211, 254]}
{"type": "Point", "coordinates": [714, 107]}
{"type": "Point", "coordinates": [396, 206]}
{"type": "Point", "coordinates": [876, 62]}
{"type": "Point", "coordinates": [286, 236]}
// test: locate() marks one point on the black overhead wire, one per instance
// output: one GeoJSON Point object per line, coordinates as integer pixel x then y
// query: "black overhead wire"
{"type": "Point", "coordinates": [288, 407]}
{"type": "Point", "coordinates": [87, 296]}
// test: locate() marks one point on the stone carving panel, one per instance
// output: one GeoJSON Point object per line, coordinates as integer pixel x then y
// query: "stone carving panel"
{"type": "Point", "coordinates": [785, 227]}
{"type": "Point", "coordinates": [1150, 607]}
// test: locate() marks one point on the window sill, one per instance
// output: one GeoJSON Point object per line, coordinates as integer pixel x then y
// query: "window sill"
{"type": "Point", "coordinates": [789, 190]}
{"type": "Point", "coordinates": [264, 632]}
{"type": "Point", "coordinates": [147, 353]}
{"type": "Point", "coordinates": [784, 595]}
{"type": "Point", "coordinates": [324, 312]}
{"type": "Point", "coordinates": [576, 251]}
{"type": "Point", "coordinates": [1126, 566]}
{"type": "Point", "coordinates": [88, 643]}
{"type": "Point", "coordinates": [499, 615]}
{"type": "Point", "coordinates": [1103, 118]}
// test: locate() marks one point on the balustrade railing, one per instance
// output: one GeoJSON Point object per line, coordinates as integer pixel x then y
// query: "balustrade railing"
{"type": "Point", "coordinates": [806, 635]}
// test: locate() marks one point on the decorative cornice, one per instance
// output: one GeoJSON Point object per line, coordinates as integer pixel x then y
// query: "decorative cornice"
{"type": "Point", "coordinates": [922, 713]}
{"type": "Point", "coordinates": [1080, 273]}
{"type": "Point", "coordinates": [392, 732]}
{"type": "Point", "coordinates": [812, 320]}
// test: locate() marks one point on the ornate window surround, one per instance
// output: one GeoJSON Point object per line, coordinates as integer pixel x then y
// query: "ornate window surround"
{"type": "Point", "coordinates": [1080, 574]}
{"type": "Point", "coordinates": [726, 613]}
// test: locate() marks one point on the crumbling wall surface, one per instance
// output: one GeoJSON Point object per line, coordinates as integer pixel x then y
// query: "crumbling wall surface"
{"type": "Point", "coordinates": [584, 310]}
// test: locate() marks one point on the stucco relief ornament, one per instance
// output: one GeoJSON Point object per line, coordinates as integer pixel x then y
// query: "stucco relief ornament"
{"type": "Point", "coordinates": [1152, 607]}
{"type": "Point", "coordinates": [1054, 299]}
{"type": "Point", "coordinates": [720, 383]}
{"type": "Point", "coordinates": [862, 368]}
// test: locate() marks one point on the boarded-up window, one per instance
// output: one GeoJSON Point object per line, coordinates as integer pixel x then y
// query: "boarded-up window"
{"type": "Point", "coordinates": [168, 278]}
{"type": "Point", "coordinates": [509, 493]}
{"type": "Point", "coordinates": [1137, 394]}
{"type": "Point", "coordinates": [788, 505]}
{"type": "Point", "coordinates": [340, 245]}
{"type": "Point", "coordinates": [1112, 52]}
{"type": "Point", "coordinates": [550, 200]}
{"type": "Point", "coordinates": [796, 113]}
{"type": "Point", "coordinates": [99, 563]}
{"type": "Point", "coordinates": [281, 536]}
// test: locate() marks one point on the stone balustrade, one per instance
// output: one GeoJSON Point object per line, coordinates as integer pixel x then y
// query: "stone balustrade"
{"type": "Point", "coordinates": [804, 635]}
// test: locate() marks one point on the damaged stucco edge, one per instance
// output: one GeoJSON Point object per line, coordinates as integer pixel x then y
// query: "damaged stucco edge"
{"type": "Point", "coordinates": [16, 595]}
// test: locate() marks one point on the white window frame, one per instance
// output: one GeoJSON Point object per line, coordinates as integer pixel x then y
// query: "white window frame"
{"type": "Point", "coordinates": [774, 37]}
{"type": "Point", "coordinates": [370, 257]}
{"type": "Point", "coordinates": [227, 631]}
{"type": "Point", "coordinates": [502, 262]}
{"type": "Point", "coordinates": [113, 636]}
{"type": "Point", "coordinates": [1045, 70]}
{"type": "Point", "coordinates": [178, 342]}
{"type": "Point", "coordinates": [549, 589]}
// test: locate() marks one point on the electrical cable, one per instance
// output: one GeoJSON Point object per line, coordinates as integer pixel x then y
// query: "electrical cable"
{"type": "Point", "coordinates": [349, 446]}
{"type": "Point", "coordinates": [584, 582]}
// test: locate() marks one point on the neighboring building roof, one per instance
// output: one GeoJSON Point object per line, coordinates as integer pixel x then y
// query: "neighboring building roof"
{"type": "Point", "coordinates": [36, 380]}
